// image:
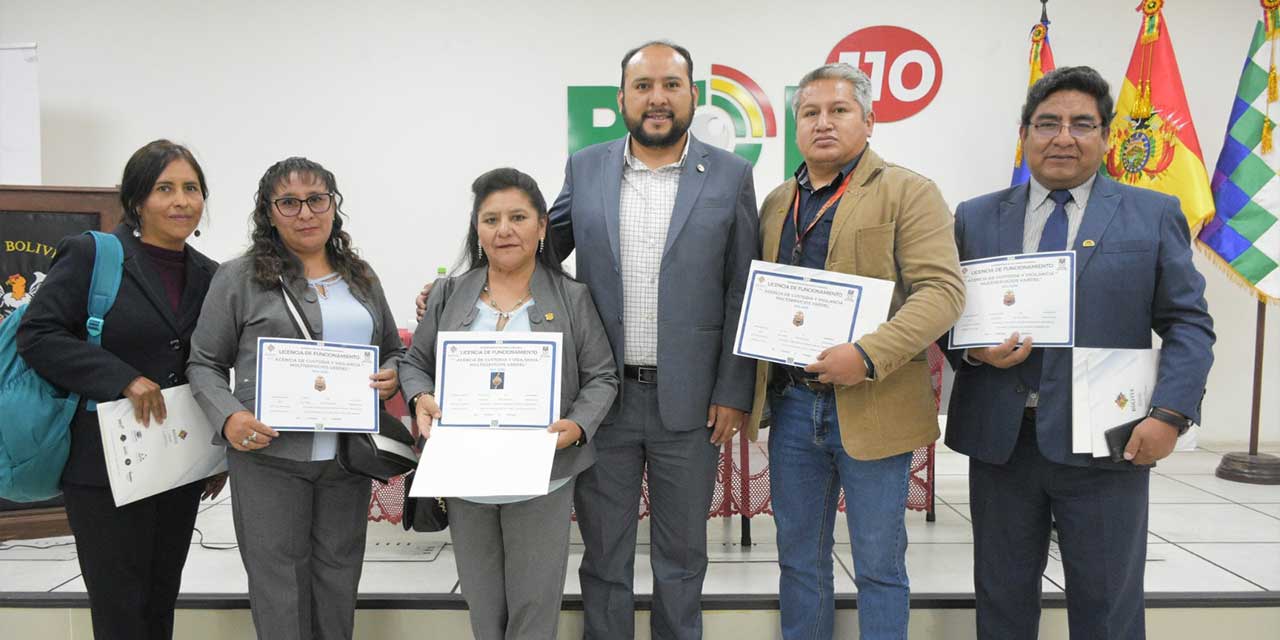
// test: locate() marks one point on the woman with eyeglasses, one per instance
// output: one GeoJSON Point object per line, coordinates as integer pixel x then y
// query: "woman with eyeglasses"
{"type": "Point", "coordinates": [300, 518]}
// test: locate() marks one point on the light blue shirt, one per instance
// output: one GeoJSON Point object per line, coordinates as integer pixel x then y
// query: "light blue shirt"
{"type": "Point", "coordinates": [518, 320]}
{"type": "Point", "coordinates": [344, 320]}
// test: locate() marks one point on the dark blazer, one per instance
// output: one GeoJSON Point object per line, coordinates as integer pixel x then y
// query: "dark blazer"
{"type": "Point", "coordinates": [590, 379]}
{"type": "Point", "coordinates": [1133, 276]}
{"type": "Point", "coordinates": [141, 336]}
{"type": "Point", "coordinates": [712, 239]}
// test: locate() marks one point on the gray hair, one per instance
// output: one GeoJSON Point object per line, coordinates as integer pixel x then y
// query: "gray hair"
{"type": "Point", "coordinates": [838, 71]}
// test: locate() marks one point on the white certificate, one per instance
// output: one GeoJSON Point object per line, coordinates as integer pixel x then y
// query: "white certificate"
{"type": "Point", "coordinates": [464, 461]}
{"type": "Point", "coordinates": [143, 461]}
{"type": "Point", "coordinates": [305, 385]}
{"type": "Point", "coordinates": [1033, 294]}
{"type": "Point", "coordinates": [791, 314]}
{"type": "Point", "coordinates": [498, 392]}
{"type": "Point", "coordinates": [498, 379]}
{"type": "Point", "coordinates": [1109, 387]}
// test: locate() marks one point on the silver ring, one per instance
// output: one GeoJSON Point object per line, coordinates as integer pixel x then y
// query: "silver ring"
{"type": "Point", "coordinates": [244, 443]}
{"type": "Point", "coordinates": [253, 436]}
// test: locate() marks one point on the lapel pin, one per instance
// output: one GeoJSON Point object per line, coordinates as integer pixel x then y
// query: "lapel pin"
{"type": "Point", "coordinates": [550, 316]}
{"type": "Point", "coordinates": [1089, 243]}
{"type": "Point", "coordinates": [701, 169]}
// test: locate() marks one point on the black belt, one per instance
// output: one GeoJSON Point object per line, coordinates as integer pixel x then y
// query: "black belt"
{"type": "Point", "coordinates": [793, 375]}
{"type": "Point", "coordinates": [641, 374]}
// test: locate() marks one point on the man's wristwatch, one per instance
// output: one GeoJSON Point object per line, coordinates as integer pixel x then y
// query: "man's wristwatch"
{"type": "Point", "coordinates": [1179, 422]}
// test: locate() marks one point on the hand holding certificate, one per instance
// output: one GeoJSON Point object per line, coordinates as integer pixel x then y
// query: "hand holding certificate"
{"type": "Point", "coordinates": [497, 394]}
{"type": "Point", "coordinates": [145, 460]}
{"type": "Point", "coordinates": [306, 385]}
{"type": "Point", "coordinates": [1030, 294]}
{"type": "Point", "coordinates": [791, 314]}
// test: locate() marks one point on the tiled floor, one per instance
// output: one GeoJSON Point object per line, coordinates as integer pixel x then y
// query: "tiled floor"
{"type": "Point", "coordinates": [1206, 535]}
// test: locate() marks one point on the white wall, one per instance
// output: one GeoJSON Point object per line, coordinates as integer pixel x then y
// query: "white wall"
{"type": "Point", "coordinates": [407, 101]}
{"type": "Point", "coordinates": [19, 114]}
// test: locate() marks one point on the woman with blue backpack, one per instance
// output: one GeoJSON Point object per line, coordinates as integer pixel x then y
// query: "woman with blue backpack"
{"type": "Point", "coordinates": [132, 556]}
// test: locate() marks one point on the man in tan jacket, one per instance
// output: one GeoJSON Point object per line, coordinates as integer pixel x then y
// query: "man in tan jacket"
{"type": "Point", "coordinates": [851, 419]}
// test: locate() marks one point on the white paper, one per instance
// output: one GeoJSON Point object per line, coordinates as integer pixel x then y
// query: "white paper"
{"type": "Point", "coordinates": [462, 461]}
{"type": "Point", "coordinates": [1118, 388]}
{"type": "Point", "coordinates": [143, 461]}
{"type": "Point", "coordinates": [498, 379]}
{"type": "Point", "coordinates": [19, 114]}
{"type": "Point", "coordinates": [791, 314]}
{"type": "Point", "coordinates": [306, 385]}
{"type": "Point", "coordinates": [1032, 294]}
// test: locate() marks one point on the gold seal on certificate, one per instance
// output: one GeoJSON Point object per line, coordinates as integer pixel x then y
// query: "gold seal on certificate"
{"type": "Point", "coordinates": [305, 385]}
{"type": "Point", "coordinates": [791, 314]}
{"type": "Point", "coordinates": [1032, 294]}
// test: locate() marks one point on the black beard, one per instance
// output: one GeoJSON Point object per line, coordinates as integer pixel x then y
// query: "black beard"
{"type": "Point", "coordinates": [678, 129]}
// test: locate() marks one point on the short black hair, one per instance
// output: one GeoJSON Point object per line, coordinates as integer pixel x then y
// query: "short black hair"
{"type": "Point", "coordinates": [684, 53]}
{"type": "Point", "coordinates": [1082, 79]}
{"type": "Point", "coordinates": [491, 182]}
{"type": "Point", "coordinates": [144, 168]}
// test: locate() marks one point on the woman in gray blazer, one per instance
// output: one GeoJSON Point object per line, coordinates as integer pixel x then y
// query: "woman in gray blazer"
{"type": "Point", "coordinates": [300, 518]}
{"type": "Point", "coordinates": [512, 551]}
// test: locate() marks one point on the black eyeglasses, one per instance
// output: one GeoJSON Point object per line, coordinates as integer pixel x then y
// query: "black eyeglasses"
{"type": "Point", "coordinates": [290, 206]}
{"type": "Point", "coordinates": [1076, 129]}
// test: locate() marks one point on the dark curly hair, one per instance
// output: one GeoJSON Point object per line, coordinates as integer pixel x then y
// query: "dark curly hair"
{"type": "Point", "coordinates": [144, 168]}
{"type": "Point", "coordinates": [491, 182]}
{"type": "Point", "coordinates": [272, 260]}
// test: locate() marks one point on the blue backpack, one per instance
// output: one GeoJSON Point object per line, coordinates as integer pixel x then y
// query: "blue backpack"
{"type": "Point", "coordinates": [35, 436]}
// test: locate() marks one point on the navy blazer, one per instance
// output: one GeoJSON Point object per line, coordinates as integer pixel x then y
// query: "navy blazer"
{"type": "Point", "coordinates": [711, 241]}
{"type": "Point", "coordinates": [1134, 273]}
{"type": "Point", "coordinates": [141, 336]}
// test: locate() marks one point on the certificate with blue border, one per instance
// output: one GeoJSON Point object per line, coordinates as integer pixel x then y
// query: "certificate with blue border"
{"type": "Point", "coordinates": [791, 314]}
{"type": "Point", "coordinates": [498, 379]}
{"type": "Point", "coordinates": [307, 385]}
{"type": "Point", "coordinates": [1032, 294]}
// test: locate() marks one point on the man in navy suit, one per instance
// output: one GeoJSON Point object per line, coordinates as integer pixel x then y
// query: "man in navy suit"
{"type": "Point", "coordinates": [1011, 404]}
{"type": "Point", "coordinates": [664, 228]}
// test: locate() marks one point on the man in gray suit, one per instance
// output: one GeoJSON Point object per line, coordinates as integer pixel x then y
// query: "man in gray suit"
{"type": "Point", "coordinates": [665, 228]}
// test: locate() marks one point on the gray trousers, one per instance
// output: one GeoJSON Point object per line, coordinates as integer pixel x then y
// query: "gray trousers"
{"type": "Point", "coordinates": [682, 471]}
{"type": "Point", "coordinates": [512, 560]}
{"type": "Point", "coordinates": [301, 528]}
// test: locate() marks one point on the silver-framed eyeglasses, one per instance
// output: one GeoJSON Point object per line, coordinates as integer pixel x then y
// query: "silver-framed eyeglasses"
{"type": "Point", "coordinates": [318, 203]}
{"type": "Point", "coordinates": [1052, 129]}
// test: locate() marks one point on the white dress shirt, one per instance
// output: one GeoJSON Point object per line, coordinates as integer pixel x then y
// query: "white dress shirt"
{"type": "Point", "coordinates": [644, 214]}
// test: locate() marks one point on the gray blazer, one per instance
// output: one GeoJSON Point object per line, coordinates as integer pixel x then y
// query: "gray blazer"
{"type": "Point", "coordinates": [237, 311]}
{"type": "Point", "coordinates": [713, 237]}
{"type": "Point", "coordinates": [559, 305]}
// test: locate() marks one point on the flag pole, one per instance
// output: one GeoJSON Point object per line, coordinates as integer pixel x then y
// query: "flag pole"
{"type": "Point", "coordinates": [1044, 11]}
{"type": "Point", "coordinates": [1253, 467]}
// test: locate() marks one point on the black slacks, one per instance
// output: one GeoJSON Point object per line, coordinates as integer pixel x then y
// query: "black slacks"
{"type": "Point", "coordinates": [132, 557]}
{"type": "Point", "coordinates": [1101, 517]}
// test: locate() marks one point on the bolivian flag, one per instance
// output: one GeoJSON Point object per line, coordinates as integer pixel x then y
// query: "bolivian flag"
{"type": "Point", "coordinates": [1153, 141]}
{"type": "Point", "coordinates": [1041, 61]}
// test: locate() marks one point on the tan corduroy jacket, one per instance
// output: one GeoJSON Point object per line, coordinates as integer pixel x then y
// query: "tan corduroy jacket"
{"type": "Point", "coordinates": [893, 224]}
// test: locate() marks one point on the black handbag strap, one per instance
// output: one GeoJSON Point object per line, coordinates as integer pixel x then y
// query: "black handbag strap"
{"type": "Point", "coordinates": [299, 322]}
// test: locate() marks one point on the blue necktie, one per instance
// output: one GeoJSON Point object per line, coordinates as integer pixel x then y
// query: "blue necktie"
{"type": "Point", "coordinates": [1054, 237]}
